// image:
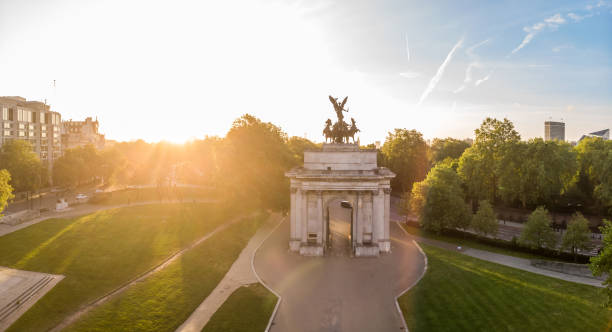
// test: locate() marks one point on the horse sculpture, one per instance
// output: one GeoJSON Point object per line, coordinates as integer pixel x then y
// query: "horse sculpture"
{"type": "Point", "coordinates": [327, 132]}
{"type": "Point", "coordinates": [352, 130]}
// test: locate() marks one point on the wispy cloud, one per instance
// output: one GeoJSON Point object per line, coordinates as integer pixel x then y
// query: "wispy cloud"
{"type": "Point", "coordinates": [482, 80]}
{"type": "Point", "coordinates": [474, 64]}
{"type": "Point", "coordinates": [409, 74]}
{"type": "Point", "coordinates": [552, 23]}
{"type": "Point", "coordinates": [436, 78]}
{"type": "Point", "coordinates": [407, 50]}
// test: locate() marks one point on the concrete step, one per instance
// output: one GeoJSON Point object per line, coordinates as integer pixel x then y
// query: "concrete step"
{"type": "Point", "coordinates": [16, 303]}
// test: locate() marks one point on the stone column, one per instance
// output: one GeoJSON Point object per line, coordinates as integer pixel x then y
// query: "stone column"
{"type": "Point", "coordinates": [360, 219]}
{"type": "Point", "coordinates": [386, 245]}
{"type": "Point", "coordinates": [304, 217]}
{"type": "Point", "coordinates": [378, 217]}
{"type": "Point", "coordinates": [320, 216]}
{"type": "Point", "coordinates": [294, 241]}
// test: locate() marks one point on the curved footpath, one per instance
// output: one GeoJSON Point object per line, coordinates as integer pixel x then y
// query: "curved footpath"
{"type": "Point", "coordinates": [239, 274]}
{"type": "Point", "coordinates": [338, 292]}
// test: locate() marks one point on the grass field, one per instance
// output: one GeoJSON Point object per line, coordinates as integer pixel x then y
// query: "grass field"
{"type": "Point", "coordinates": [165, 300]}
{"type": "Point", "coordinates": [101, 251]}
{"type": "Point", "coordinates": [470, 243]}
{"type": "Point", "coordinates": [133, 195]}
{"type": "Point", "coordinates": [247, 309]}
{"type": "Point", "coordinates": [461, 293]}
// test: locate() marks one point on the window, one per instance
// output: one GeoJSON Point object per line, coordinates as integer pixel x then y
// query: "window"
{"type": "Point", "coordinates": [43, 127]}
{"type": "Point", "coordinates": [21, 126]}
{"type": "Point", "coordinates": [5, 115]}
{"type": "Point", "coordinates": [7, 125]}
{"type": "Point", "coordinates": [31, 134]}
{"type": "Point", "coordinates": [7, 133]}
{"type": "Point", "coordinates": [21, 133]}
{"type": "Point", "coordinates": [43, 135]}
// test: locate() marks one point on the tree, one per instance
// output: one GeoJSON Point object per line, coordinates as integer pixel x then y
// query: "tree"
{"type": "Point", "coordinates": [253, 162]}
{"type": "Point", "coordinates": [443, 148]}
{"type": "Point", "coordinates": [18, 158]}
{"type": "Point", "coordinates": [297, 146]}
{"type": "Point", "coordinates": [405, 153]}
{"type": "Point", "coordinates": [6, 191]}
{"type": "Point", "coordinates": [602, 263]}
{"type": "Point", "coordinates": [595, 160]}
{"type": "Point", "coordinates": [479, 164]}
{"type": "Point", "coordinates": [484, 222]}
{"type": "Point", "coordinates": [576, 235]}
{"type": "Point", "coordinates": [536, 172]}
{"type": "Point", "coordinates": [537, 232]}
{"type": "Point", "coordinates": [405, 204]}
{"type": "Point", "coordinates": [439, 200]}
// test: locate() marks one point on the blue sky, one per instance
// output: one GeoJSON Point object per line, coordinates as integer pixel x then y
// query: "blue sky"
{"type": "Point", "coordinates": [156, 70]}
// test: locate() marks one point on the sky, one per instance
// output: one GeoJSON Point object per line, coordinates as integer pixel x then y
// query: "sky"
{"type": "Point", "coordinates": [179, 70]}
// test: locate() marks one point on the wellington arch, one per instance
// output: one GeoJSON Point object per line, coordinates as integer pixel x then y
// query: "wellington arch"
{"type": "Point", "coordinates": [340, 170]}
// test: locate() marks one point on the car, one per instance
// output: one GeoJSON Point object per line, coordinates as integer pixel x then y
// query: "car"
{"type": "Point", "coordinates": [81, 198]}
{"type": "Point", "coordinates": [346, 204]}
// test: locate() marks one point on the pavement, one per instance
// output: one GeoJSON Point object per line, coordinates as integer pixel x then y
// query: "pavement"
{"type": "Point", "coordinates": [239, 274]}
{"type": "Point", "coordinates": [19, 290]}
{"type": "Point", "coordinates": [338, 292]}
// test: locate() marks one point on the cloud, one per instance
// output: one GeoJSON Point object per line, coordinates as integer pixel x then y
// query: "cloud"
{"type": "Point", "coordinates": [482, 80]}
{"type": "Point", "coordinates": [555, 20]}
{"type": "Point", "coordinates": [570, 108]}
{"type": "Point", "coordinates": [459, 89]}
{"type": "Point", "coordinates": [407, 49]}
{"type": "Point", "coordinates": [552, 22]}
{"type": "Point", "coordinates": [558, 48]}
{"type": "Point", "coordinates": [470, 50]}
{"type": "Point", "coordinates": [410, 74]}
{"type": "Point", "coordinates": [436, 78]}
{"type": "Point", "coordinates": [578, 18]}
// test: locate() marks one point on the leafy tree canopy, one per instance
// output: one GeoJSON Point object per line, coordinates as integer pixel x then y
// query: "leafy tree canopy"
{"type": "Point", "coordinates": [19, 159]}
{"type": "Point", "coordinates": [6, 191]}
{"type": "Point", "coordinates": [405, 153]}
{"type": "Point", "coordinates": [537, 232]}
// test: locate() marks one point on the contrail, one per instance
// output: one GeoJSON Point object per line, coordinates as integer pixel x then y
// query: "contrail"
{"type": "Point", "coordinates": [407, 48]}
{"type": "Point", "coordinates": [434, 80]}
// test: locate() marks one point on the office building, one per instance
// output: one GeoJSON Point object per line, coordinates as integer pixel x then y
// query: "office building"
{"type": "Point", "coordinates": [32, 121]}
{"type": "Point", "coordinates": [554, 131]}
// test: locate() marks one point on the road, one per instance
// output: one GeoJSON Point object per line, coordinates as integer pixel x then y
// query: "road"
{"type": "Point", "coordinates": [338, 292]}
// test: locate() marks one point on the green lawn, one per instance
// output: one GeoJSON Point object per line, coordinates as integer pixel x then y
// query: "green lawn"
{"type": "Point", "coordinates": [461, 293]}
{"type": "Point", "coordinates": [470, 243]}
{"type": "Point", "coordinates": [99, 252]}
{"type": "Point", "coordinates": [165, 300]}
{"type": "Point", "coordinates": [127, 196]}
{"type": "Point", "coordinates": [248, 309]}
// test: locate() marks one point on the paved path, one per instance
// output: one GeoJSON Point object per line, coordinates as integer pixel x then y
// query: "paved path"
{"type": "Point", "coordinates": [338, 292]}
{"type": "Point", "coordinates": [239, 274]}
{"type": "Point", "coordinates": [511, 261]}
{"type": "Point", "coordinates": [19, 290]}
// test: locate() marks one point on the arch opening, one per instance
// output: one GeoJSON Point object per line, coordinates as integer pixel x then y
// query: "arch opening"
{"type": "Point", "coordinates": [339, 226]}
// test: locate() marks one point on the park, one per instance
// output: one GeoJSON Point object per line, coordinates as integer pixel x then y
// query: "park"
{"type": "Point", "coordinates": [324, 245]}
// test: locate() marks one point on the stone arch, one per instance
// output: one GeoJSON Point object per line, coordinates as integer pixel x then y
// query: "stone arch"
{"type": "Point", "coordinates": [331, 197]}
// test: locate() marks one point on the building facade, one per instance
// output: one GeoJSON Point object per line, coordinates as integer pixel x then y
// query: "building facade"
{"type": "Point", "coordinates": [80, 133]}
{"type": "Point", "coordinates": [32, 121]}
{"type": "Point", "coordinates": [340, 171]}
{"type": "Point", "coordinates": [554, 130]}
{"type": "Point", "coordinates": [603, 134]}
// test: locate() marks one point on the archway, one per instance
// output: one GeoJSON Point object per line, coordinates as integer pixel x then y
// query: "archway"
{"type": "Point", "coordinates": [339, 227]}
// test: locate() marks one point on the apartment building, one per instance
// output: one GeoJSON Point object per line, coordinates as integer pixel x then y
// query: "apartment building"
{"type": "Point", "coordinates": [32, 121]}
{"type": "Point", "coordinates": [80, 133]}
